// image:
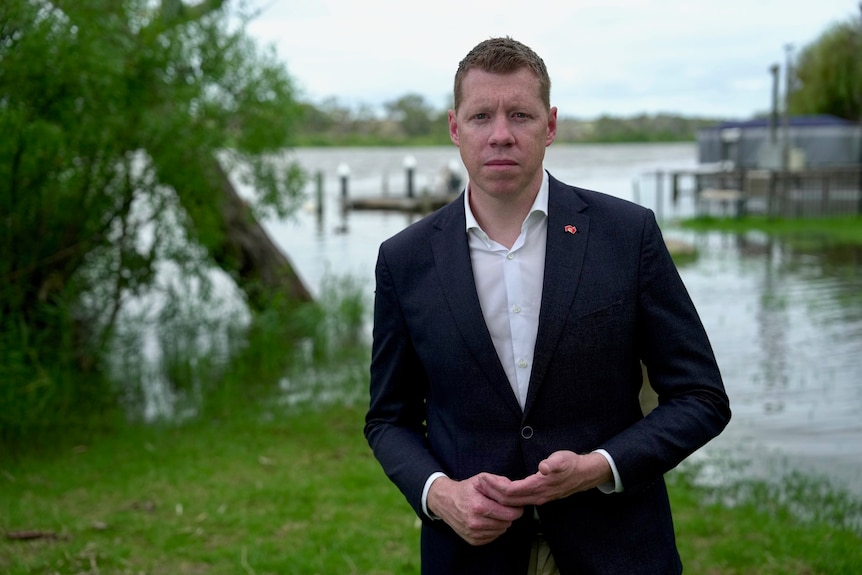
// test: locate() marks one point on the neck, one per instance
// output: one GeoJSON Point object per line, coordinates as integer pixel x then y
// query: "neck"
{"type": "Point", "coordinates": [500, 218]}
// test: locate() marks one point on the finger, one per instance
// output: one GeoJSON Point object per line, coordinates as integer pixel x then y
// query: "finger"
{"type": "Point", "coordinates": [557, 462]}
{"type": "Point", "coordinates": [492, 486]}
{"type": "Point", "coordinates": [513, 493]}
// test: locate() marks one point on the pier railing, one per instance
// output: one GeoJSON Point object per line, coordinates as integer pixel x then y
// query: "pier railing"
{"type": "Point", "coordinates": [797, 193]}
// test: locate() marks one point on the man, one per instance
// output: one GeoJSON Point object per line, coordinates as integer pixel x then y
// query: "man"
{"type": "Point", "coordinates": [509, 332]}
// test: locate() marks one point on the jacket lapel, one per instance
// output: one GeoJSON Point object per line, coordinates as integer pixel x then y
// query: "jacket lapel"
{"type": "Point", "coordinates": [452, 260]}
{"type": "Point", "coordinates": [568, 230]}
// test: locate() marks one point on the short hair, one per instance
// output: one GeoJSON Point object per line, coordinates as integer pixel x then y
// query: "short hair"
{"type": "Point", "coordinates": [503, 56]}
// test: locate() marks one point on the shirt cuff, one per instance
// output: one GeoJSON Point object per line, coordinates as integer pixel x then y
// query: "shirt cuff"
{"type": "Point", "coordinates": [616, 486]}
{"type": "Point", "coordinates": [428, 483]}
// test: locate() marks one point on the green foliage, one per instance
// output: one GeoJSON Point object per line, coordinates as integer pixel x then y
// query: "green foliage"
{"type": "Point", "coordinates": [829, 74]}
{"type": "Point", "coordinates": [410, 120]}
{"type": "Point", "coordinates": [640, 128]}
{"type": "Point", "coordinates": [413, 113]}
{"type": "Point", "coordinates": [113, 116]}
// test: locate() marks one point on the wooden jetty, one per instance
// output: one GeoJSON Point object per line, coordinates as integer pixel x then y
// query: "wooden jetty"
{"type": "Point", "coordinates": [423, 203]}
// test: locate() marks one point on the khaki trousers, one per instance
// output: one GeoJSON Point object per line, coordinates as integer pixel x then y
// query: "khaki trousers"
{"type": "Point", "coordinates": [541, 560]}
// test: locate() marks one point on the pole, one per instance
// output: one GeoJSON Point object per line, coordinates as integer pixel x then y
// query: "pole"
{"type": "Point", "coordinates": [410, 168]}
{"type": "Point", "coordinates": [344, 176]}
{"type": "Point", "coordinates": [319, 194]}
{"type": "Point", "coordinates": [773, 117]}
{"type": "Point", "coordinates": [785, 155]}
{"type": "Point", "coordinates": [785, 144]}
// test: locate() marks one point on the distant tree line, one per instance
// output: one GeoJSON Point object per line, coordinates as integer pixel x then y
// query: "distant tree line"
{"type": "Point", "coordinates": [410, 119]}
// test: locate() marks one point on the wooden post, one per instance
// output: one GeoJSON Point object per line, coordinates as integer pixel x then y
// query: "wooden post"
{"type": "Point", "coordinates": [319, 195]}
{"type": "Point", "coordinates": [410, 168]}
{"type": "Point", "coordinates": [344, 177]}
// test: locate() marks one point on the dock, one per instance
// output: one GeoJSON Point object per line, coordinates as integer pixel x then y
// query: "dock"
{"type": "Point", "coordinates": [424, 203]}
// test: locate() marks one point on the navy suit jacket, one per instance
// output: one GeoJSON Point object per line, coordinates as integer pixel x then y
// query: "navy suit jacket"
{"type": "Point", "coordinates": [440, 400]}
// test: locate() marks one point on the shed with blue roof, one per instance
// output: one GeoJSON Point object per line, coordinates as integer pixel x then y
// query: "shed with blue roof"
{"type": "Point", "coordinates": [821, 141]}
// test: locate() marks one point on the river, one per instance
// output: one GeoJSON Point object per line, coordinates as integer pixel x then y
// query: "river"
{"type": "Point", "coordinates": [785, 323]}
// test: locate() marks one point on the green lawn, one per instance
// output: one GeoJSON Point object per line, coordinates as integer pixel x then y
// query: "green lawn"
{"type": "Point", "coordinates": [302, 494]}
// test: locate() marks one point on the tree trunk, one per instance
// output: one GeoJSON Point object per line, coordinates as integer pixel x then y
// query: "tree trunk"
{"type": "Point", "coordinates": [260, 267]}
{"type": "Point", "coordinates": [242, 249]}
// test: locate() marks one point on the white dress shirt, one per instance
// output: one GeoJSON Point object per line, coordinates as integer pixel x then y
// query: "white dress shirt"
{"type": "Point", "coordinates": [509, 284]}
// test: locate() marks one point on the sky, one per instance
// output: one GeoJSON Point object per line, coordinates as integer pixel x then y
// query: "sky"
{"type": "Point", "coordinates": [700, 58]}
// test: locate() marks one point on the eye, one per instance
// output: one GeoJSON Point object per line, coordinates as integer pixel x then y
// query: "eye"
{"type": "Point", "coordinates": [481, 116]}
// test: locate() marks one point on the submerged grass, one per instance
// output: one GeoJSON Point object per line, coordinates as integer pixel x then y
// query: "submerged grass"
{"type": "Point", "coordinates": [300, 493]}
{"type": "Point", "coordinates": [834, 230]}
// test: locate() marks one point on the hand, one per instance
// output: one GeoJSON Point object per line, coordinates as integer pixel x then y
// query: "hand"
{"type": "Point", "coordinates": [476, 518]}
{"type": "Point", "coordinates": [560, 475]}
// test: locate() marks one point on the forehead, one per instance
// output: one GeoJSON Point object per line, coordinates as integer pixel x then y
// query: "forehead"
{"type": "Point", "coordinates": [519, 87]}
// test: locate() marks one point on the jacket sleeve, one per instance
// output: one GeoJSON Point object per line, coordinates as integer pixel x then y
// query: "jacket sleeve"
{"type": "Point", "coordinates": [673, 345]}
{"type": "Point", "coordinates": [395, 422]}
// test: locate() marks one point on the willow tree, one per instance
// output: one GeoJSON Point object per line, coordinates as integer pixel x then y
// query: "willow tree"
{"type": "Point", "coordinates": [829, 74]}
{"type": "Point", "coordinates": [120, 122]}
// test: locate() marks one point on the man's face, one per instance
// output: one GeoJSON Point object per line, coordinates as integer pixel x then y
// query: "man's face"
{"type": "Point", "coordinates": [502, 128]}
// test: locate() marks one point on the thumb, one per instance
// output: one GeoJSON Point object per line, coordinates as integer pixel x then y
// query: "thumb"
{"type": "Point", "coordinates": [555, 462]}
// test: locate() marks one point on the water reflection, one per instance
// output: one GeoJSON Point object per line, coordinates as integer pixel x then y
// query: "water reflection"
{"type": "Point", "coordinates": [786, 325]}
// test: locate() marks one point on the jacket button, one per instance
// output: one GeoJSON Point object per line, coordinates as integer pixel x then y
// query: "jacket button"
{"type": "Point", "coordinates": [527, 432]}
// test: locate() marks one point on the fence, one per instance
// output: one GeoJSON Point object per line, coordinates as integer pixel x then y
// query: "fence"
{"type": "Point", "coordinates": [800, 193]}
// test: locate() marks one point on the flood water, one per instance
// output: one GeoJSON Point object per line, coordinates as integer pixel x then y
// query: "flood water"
{"type": "Point", "coordinates": [785, 322]}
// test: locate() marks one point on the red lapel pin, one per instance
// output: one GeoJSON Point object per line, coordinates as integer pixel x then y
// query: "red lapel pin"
{"type": "Point", "coordinates": [571, 229]}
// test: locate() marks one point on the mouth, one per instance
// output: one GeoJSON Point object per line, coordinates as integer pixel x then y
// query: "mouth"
{"type": "Point", "coordinates": [501, 163]}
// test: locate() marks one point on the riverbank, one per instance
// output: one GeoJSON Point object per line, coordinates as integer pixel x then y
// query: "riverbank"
{"type": "Point", "coordinates": [833, 231]}
{"type": "Point", "coordinates": [299, 492]}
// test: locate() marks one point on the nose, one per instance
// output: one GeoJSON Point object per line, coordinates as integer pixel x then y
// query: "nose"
{"type": "Point", "coordinates": [501, 133]}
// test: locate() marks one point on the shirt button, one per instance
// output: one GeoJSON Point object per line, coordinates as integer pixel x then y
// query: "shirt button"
{"type": "Point", "coordinates": [510, 256]}
{"type": "Point", "coordinates": [516, 309]}
{"type": "Point", "coordinates": [527, 432]}
{"type": "Point", "coordinates": [522, 363]}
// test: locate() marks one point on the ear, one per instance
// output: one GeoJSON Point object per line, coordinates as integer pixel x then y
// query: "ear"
{"type": "Point", "coordinates": [453, 128]}
{"type": "Point", "coordinates": [552, 126]}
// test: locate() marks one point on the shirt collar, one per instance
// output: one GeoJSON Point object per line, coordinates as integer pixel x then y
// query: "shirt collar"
{"type": "Point", "coordinates": [540, 204]}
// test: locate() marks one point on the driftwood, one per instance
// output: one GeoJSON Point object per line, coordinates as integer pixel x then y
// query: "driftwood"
{"type": "Point", "coordinates": [30, 535]}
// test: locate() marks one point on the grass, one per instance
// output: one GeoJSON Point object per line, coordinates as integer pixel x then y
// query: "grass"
{"type": "Point", "coordinates": [300, 493]}
{"type": "Point", "coordinates": [294, 489]}
{"type": "Point", "coordinates": [835, 230]}
{"type": "Point", "coordinates": [295, 494]}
